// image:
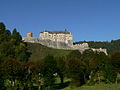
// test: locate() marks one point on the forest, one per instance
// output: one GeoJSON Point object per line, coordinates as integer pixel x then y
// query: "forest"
{"type": "Point", "coordinates": [111, 46]}
{"type": "Point", "coordinates": [73, 69]}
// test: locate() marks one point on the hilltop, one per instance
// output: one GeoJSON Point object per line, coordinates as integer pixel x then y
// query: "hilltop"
{"type": "Point", "coordinates": [59, 40]}
{"type": "Point", "coordinates": [39, 51]}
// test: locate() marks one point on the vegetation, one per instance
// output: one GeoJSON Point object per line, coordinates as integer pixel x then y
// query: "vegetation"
{"type": "Point", "coordinates": [26, 66]}
{"type": "Point", "coordinates": [38, 51]}
{"type": "Point", "coordinates": [96, 87]}
{"type": "Point", "coordinates": [111, 46]}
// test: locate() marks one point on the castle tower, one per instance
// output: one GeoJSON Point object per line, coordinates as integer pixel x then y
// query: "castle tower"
{"type": "Point", "coordinates": [30, 34]}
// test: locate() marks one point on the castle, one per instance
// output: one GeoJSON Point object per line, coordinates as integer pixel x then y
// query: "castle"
{"type": "Point", "coordinates": [57, 36]}
{"type": "Point", "coordinates": [59, 40]}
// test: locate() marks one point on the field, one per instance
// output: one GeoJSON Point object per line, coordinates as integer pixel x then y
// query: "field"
{"type": "Point", "coordinates": [101, 86]}
{"type": "Point", "coordinates": [96, 87]}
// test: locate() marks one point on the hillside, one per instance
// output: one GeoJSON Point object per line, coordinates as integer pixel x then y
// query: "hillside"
{"type": "Point", "coordinates": [111, 46]}
{"type": "Point", "coordinates": [39, 51]}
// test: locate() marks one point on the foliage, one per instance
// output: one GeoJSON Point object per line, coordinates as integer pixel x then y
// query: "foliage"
{"type": "Point", "coordinates": [74, 68]}
{"type": "Point", "coordinates": [111, 46]}
{"type": "Point", "coordinates": [61, 67]}
{"type": "Point", "coordinates": [11, 45]}
{"type": "Point", "coordinates": [2, 26]}
{"type": "Point", "coordinates": [39, 51]}
{"type": "Point", "coordinates": [108, 73]}
{"type": "Point", "coordinates": [115, 60]}
{"type": "Point", "coordinates": [48, 70]}
{"type": "Point", "coordinates": [12, 51]}
{"type": "Point", "coordinates": [16, 37]}
{"type": "Point", "coordinates": [12, 68]}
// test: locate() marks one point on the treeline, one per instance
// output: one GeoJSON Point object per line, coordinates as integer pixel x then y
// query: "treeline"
{"type": "Point", "coordinates": [88, 68]}
{"type": "Point", "coordinates": [111, 46]}
{"type": "Point", "coordinates": [12, 52]}
{"type": "Point", "coordinates": [18, 73]}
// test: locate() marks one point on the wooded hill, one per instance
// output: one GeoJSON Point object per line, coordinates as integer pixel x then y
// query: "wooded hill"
{"type": "Point", "coordinates": [111, 46]}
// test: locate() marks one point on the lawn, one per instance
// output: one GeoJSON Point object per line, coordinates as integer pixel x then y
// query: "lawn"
{"type": "Point", "coordinates": [96, 87]}
{"type": "Point", "coordinates": [101, 86]}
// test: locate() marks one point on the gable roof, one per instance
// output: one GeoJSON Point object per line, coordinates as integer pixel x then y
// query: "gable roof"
{"type": "Point", "coordinates": [57, 32]}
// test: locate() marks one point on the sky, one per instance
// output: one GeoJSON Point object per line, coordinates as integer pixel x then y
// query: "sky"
{"type": "Point", "coordinates": [90, 20]}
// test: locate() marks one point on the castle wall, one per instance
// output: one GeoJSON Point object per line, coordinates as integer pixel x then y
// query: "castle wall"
{"type": "Point", "coordinates": [100, 50]}
{"type": "Point", "coordinates": [60, 41]}
{"type": "Point", "coordinates": [59, 37]}
{"type": "Point", "coordinates": [48, 43]}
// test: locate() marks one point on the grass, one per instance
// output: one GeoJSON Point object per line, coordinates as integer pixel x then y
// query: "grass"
{"type": "Point", "coordinates": [66, 86]}
{"type": "Point", "coordinates": [38, 51]}
{"type": "Point", "coordinates": [101, 86]}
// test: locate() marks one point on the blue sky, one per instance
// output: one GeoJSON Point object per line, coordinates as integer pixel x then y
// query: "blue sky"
{"type": "Point", "coordinates": [90, 20]}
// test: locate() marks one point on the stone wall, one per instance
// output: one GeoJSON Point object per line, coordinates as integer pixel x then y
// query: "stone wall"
{"type": "Point", "coordinates": [57, 36]}
{"type": "Point", "coordinates": [100, 50]}
{"type": "Point", "coordinates": [59, 40]}
{"type": "Point", "coordinates": [62, 45]}
{"type": "Point", "coordinates": [49, 43]}
{"type": "Point", "coordinates": [81, 47]}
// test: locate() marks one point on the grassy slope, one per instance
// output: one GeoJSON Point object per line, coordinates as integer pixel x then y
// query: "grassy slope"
{"type": "Point", "coordinates": [39, 51]}
{"type": "Point", "coordinates": [101, 86]}
{"type": "Point", "coordinates": [96, 87]}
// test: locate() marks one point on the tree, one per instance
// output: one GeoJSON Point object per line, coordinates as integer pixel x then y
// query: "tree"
{"type": "Point", "coordinates": [11, 46]}
{"type": "Point", "coordinates": [21, 52]}
{"type": "Point", "coordinates": [74, 68]}
{"type": "Point", "coordinates": [36, 70]}
{"type": "Point", "coordinates": [2, 26]}
{"type": "Point", "coordinates": [88, 62]}
{"type": "Point", "coordinates": [61, 67]}
{"type": "Point", "coordinates": [115, 61]}
{"type": "Point", "coordinates": [12, 51]}
{"type": "Point", "coordinates": [20, 48]}
{"type": "Point", "coordinates": [5, 35]}
{"type": "Point", "coordinates": [98, 64]}
{"type": "Point", "coordinates": [74, 71]}
{"type": "Point", "coordinates": [75, 53]}
{"type": "Point", "coordinates": [23, 74]}
{"type": "Point", "coordinates": [16, 37]}
{"type": "Point", "coordinates": [12, 68]}
{"type": "Point", "coordinates": [2, 77]}
{"type": "Point", "coordinates": [48, 70]}
{"type": "Point", "coordinates": [107, 69]}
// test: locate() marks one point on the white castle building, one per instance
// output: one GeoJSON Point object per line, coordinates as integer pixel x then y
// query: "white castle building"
{"type": "Point", "coordinates": [57, 36]}
{"type": "Point", "coordinates": [59, 40]}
